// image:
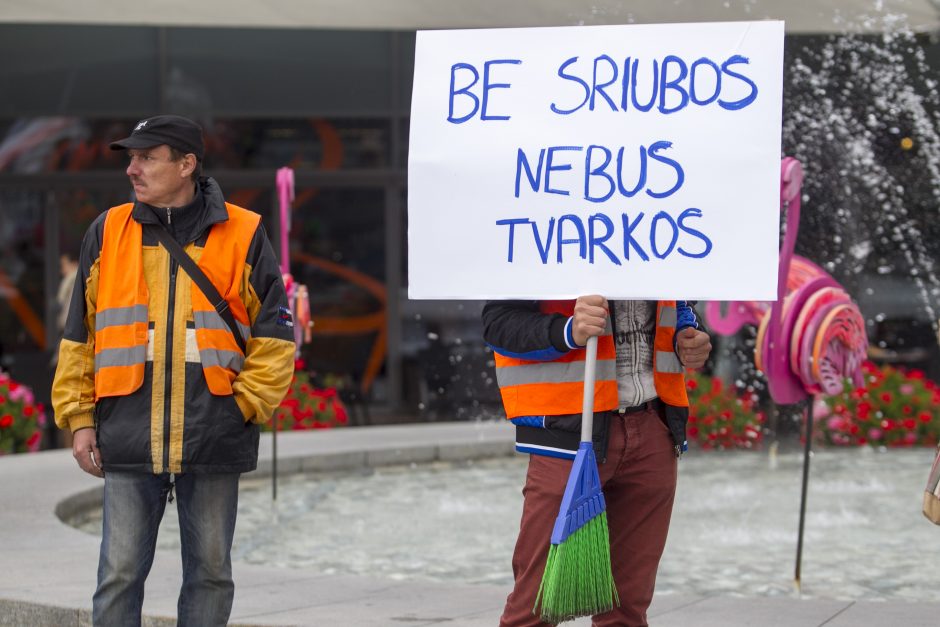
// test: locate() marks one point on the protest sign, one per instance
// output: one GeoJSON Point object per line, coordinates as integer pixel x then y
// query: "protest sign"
{"type": "Point", "coordinates": [629, 161]}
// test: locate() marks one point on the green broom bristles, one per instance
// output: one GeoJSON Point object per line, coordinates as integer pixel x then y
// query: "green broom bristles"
{"type": "Point", "coordinates": [578, 580]}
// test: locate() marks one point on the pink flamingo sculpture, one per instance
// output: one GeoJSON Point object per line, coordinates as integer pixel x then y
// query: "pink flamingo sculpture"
{"type": "Point", "coordinates": [808, 341]}
{"type": "Point", "coordinates": [297, 295]}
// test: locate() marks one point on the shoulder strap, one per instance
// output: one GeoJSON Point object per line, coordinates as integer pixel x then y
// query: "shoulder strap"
{"type": "Point", "coordinates": [199, 278]}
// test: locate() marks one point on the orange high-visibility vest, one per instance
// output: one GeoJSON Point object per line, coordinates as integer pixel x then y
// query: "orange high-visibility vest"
{"type": "Point", "coordinates": [122, 319]}
{"type": "Point", "coordinates": [223, 261]}
{"type": "Point", "coordinates": [556, 387]}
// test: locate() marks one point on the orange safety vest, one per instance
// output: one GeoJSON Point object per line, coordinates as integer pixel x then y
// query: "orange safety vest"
{"type": "Point", "coordinates": [121, 323]}
{"type": "Point", "coordinates": [556, 387]}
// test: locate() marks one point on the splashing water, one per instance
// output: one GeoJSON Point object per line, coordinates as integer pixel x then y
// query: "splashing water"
{"type": "Point", "coordinates": [861, 114]}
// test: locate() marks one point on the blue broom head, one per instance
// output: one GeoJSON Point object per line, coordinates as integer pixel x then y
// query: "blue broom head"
{"type": "Point", "coordinates": [583, 500]}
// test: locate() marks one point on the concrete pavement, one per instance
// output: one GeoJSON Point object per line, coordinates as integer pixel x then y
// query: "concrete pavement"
{"type": "Point", "coordinates": [49, 567]}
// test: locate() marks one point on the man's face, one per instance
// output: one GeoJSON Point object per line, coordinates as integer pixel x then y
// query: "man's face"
{"type": "Point", "coordinates": [157, 179]}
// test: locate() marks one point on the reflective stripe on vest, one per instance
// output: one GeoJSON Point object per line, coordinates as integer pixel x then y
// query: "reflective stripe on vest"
{"type": "Point", "coordinates": [223, 261]}
{"type": "Point", "coordinates": [553, 372]}
{"type": "Point", "coordinates": [212, 320]}
{"type": "Point", "coordinates": [121, 318]}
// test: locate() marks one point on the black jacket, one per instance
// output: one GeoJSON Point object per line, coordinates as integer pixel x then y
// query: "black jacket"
{"type": "Point", "coordinates": [520, 327]}
{"type": "Point", "coordinates": [173, 423]}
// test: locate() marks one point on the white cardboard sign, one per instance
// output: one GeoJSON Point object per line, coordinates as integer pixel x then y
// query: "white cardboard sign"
{"type": "Point", "coordinates": [628, 161]}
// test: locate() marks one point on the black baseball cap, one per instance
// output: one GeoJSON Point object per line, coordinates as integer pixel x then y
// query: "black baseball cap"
{"type": "Point", "coordinates": [173, 130]}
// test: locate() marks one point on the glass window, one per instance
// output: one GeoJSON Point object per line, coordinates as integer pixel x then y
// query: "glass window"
{"type": "Point", "coordinates": [338, 250]}
{"type": "Point", "coordinates": [22, 300]}
{"type": "Point", "coordinates": [406, 50]}
{"type": "Point", "coordinates": [77, 70]}
{"type": "Point", "coordinates": [312, 143]}
{"type": "Point", "coordinates": [68, 144]}
{"type": "Point", "coordinates": [278, 72]}
{"type": "Point", "coordinates": [30, 145]}
{"type": "Point", "coordinates": [405, 129]}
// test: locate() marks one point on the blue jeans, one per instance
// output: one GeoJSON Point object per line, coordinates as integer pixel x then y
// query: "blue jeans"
{"type": "Point", "coordinates": [133, 508]}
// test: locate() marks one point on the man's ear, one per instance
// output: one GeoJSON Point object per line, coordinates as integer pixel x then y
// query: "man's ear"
{"type": "Point", "coordinates": [187, 165]}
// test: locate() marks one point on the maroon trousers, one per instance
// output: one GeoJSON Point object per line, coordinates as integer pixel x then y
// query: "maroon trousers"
{"type": "Point", "coordinates": [639, 484]}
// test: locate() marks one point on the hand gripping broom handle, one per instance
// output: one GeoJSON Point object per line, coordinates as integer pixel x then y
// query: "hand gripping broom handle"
{"type": "Point", "coordinates": [587, 408]}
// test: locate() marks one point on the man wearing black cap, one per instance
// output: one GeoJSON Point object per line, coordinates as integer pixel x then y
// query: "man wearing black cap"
{"type": "Point", "coordinates": [164, 385]}
{"type": "Point", "coordinates": [158, 149]}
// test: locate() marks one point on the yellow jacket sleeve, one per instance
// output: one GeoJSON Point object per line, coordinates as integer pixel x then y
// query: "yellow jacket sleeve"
{"type": "Point", "coordinates": [269, 360]}
{"type": "Point", "coordinates": [73, 388]}
{"type": "Point", "coordinates": [264, 378]}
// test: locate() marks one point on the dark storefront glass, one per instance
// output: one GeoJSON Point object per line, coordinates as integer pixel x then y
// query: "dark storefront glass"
{"type": "Point", "coordinates": [337, 250]}
{"type": "Point", "coordinates": [406, 51]}
{"type": "Point", "coordinates": [24, 245]}
{"type": "Point", "coordinates": [35, 145]}
{"type": "Point", "coordinates": [21, 271]}
{"type": "Point", "coordinates": [67, 144]}
{"type": "Point", "coordinates": [264, 72]}
{"type": "Point", "coordinates": [337, 237]}
{"type": "Point", "coordinates": [304, 144]}
{"type": "Point", "coordinates": [333, 105]}
{"type": "Point", "coordinates": [37, 229]}
{"type": "Point", "coordinates": [92, 71]}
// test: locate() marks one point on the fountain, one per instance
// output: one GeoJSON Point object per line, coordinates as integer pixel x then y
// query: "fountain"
{"type": "Point", "coordinates": [861, 114]}
{"type": "Point", "coordinates": [732, 533]}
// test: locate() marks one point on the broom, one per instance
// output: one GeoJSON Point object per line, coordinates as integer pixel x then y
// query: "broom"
{"type": "Point", "coordinates": [578, 580]}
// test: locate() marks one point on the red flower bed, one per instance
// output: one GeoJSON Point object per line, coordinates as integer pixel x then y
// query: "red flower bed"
{"type": "Point", "coordinates": [720, 417]}
{"type": "Point", "coordinates": [308, 407]}
{"type": "Point", "coordinates": [897, 407]}
{"type": "Point", "coordinates": [21, 418]}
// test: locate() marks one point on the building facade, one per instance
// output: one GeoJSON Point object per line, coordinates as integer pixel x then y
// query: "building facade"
{"type": "Point", "coordinates": [333, 105]}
